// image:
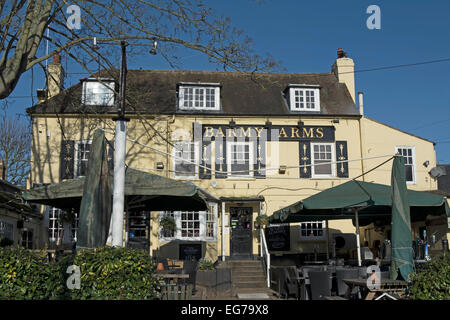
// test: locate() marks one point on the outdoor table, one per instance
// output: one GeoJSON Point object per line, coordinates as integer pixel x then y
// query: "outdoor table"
{"type": "Point", "coordinates": [386, 286]}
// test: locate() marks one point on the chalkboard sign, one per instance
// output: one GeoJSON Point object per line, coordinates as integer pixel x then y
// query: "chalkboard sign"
{"type": "Point", "coordinates": [190, 251]}
{"type": "Point", "coordinates": [278, 237]}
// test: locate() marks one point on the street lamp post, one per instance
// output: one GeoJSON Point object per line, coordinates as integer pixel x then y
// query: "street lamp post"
{"type": "Point", "coordinates": [119, 157]}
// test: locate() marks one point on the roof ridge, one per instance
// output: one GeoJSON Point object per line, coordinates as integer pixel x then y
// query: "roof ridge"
{"type": "Point", "coordinates": [231, 72]}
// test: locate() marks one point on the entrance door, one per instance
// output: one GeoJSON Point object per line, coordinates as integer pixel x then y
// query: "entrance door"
{"type": "Point", "coordinates": [241, 232]}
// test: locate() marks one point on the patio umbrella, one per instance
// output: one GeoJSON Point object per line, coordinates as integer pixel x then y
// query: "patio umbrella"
{"type": "Point", "coordinates": [402, 252]}
{"type": "Point", "coordinates": [96, 203]}
{"type": "Point", "coordinates": [143, 190]}
{"type": "Point", "coordinates": [363, 202]}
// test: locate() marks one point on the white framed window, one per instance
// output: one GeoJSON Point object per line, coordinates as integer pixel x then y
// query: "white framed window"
{"type": "Point", "coordinates": [81, 158]}
{"type": "Point", "coordinates": [55, 226]}
{"type": "Point", "coordinates": [192, 225]}
{"type": "Point", "coordinates": [322, 156]}
{"type": "Point", "coordinates": [197, 97]}
{"type": "Point", "coordinates": [409, 154]}
{"type": "Point", "coordinates": [185, 160]}
{"type": "Point", "coordinates": [100, 93]}
{"type": "Point", "coordinates": [314, 230]}
{"type": "Point", "coordinates": [6, 230]}
{"type": "Point", "coordinates": [304, 99]}
{"type": "Point", "coordinates": [240, 159]}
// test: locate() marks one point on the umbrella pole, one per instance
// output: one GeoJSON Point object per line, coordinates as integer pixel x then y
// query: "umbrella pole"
{"type": "Point", "coordinates": [358, 245]}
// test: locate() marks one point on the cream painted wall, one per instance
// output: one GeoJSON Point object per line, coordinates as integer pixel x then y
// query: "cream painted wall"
{"type": "Point", "coordinates": [381, 139]}
{"type": "Point", "coordinates": [279, 190]}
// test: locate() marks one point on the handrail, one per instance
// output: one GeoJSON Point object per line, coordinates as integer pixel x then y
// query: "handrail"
{"type": "Point", "coordinates": [265, 252]}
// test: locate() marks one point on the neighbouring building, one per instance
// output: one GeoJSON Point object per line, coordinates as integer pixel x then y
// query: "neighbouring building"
{"type": "Point", "coordinates": [256, 141]}
{"type": "Point", "coordinates": [20, 222]}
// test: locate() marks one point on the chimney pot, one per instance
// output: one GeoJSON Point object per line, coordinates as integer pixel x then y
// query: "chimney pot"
{"type": "Point", "coordinates": [56, 58]}
{"type": "Point", "coordinates": [361, 103]}
{"type": "Point", "coordinates": [340, 53]}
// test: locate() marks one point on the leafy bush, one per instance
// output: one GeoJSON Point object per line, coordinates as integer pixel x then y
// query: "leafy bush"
{"type": "Point", "coordinates": [106, 273]}
{"type": "Point", "coordinates": [26, 275]}
{"type": "Point", "coordinates": [114, 273]}
{"type": "Point", "coordinates": [432, 282]}
{"type": "Point", "coordinates": [168, 223]}
{"type": "Point", "coordinates": [205, 265]}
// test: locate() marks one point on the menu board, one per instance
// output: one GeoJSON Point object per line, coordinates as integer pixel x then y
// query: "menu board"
{"type": "Point", "coordinates": [190, 251]}
{"type": "Point", "coordinates": [278, 237]}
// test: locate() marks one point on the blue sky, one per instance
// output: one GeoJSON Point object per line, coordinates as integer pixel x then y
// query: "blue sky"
{"type": "Point", "coordinates": [305, 35]}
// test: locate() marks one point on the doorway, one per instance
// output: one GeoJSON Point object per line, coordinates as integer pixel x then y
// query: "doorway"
{"type": "Point", "coordinates": [241, 232]}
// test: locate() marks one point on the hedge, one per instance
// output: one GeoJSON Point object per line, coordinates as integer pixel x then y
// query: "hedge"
{"type": "Point", "coordinates": [432, 282]}
{"type": "Point", "coordinates": [25, 275]}
{"type": "Point", "coordinates": [106, 273]}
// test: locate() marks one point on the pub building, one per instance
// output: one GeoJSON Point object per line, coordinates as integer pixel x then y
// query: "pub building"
{"type": "Point", "coordinates": [255, 142]}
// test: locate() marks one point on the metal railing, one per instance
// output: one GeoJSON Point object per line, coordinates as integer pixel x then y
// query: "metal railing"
{"type": "Point", "coordinates": [265, 255]}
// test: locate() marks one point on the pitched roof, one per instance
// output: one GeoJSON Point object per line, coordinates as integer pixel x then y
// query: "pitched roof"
{"type": "Point", "coordinates": [155, 91]}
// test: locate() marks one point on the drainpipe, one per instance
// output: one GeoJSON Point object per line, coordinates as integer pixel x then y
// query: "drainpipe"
{"type": "Point", "coordinates": [361, 130]}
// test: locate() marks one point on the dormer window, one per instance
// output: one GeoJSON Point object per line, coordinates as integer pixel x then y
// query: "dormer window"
{"type": "Point", "coordinates": [98, 92]}
{"type": "Point", "coordinates": [201, 96]}
{"type": "Point", "coordinates": [304, 98]}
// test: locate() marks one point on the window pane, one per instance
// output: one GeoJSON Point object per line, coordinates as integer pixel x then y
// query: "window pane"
{"type": "Point", "coordinates": [322, 158]}
{"type": "Point", "coordinates": [185, 162]}
{"type": "Point", "coordinates": [98, 93]}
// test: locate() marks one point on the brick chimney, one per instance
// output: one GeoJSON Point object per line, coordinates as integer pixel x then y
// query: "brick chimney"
{"type": "Point", "coordinates": [344, 69]}
{"type": "Point", "coordinates": [55, 76]}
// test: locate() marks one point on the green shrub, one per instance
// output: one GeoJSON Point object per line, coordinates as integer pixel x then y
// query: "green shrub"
{"type": "Point", "coordinates": [432, 282]}
{"type": "Point", "coordinates": [205, 265]}
{"type": "Point", "coordinates": [26, 275]}
{"type": "Point", "coordinates": [114, 273]}
{"type": "Point", "coordinates": [106, 273]}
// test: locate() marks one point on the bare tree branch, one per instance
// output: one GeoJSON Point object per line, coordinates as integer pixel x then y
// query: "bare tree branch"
{"type": "Point", "coordinates": [15, 145]}
{"type": "Point", "coordinates": [174, 24]}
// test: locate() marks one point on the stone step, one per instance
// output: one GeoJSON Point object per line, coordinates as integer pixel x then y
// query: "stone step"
{"type": "Point", "coordinates": [250, 284]}
{"type": "Point", "coordinates": [252, 277]}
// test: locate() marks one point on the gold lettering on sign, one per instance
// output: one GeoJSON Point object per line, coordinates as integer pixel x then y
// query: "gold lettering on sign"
{"type": "Point", "coordinates": [282, 132]}
{"type": "Point", "coordinates": [309, 133]}
{"type": "Point", "coordinates": [209, 132]}
{"type": "Point", "coordinates": [319, 132]}
{"type": "Point", "coordinates": [294, 131]}
{"type": "Point", "coordinates": [220, 131]}
{"type": "Point", "coordinates": [246, 133]}
{"type": "Point", "coordinates": [258, 131]}
{"type": "Point", "coordinates": [231, 131]}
